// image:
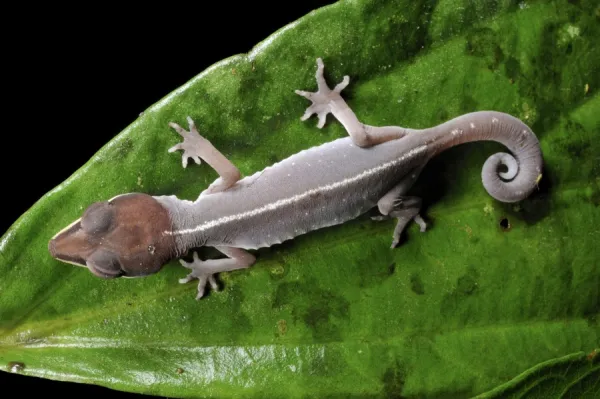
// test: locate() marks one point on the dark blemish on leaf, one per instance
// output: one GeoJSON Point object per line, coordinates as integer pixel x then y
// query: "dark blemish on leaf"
{"type": "Point", "coordinates": [369, 275]}
{"type": "Point", "coordinates": [416, 284]}
{"type": "Point", "coordinates": [319, 309]}
{"type": "Point", "coordinates": [393, 382]}
{"type": "Point", "coordinates": [512, 69]}
{"type": "Point", "coordinates": [592, 355]}
{"type": "Point", "coordinates": [505, 224]}
{"type": "Point", "coordinates": [542, 83]}
{"type": "Point", "coordinates": [595, 197]}
{"type": "Point", "coordinates": [483, 43]}
{"type": "Point", "coordinates": [498, 56]}
{"type": "Point", "coordinates": [16, 367]}
{"type": "Point", "coordinates": [124, 148]}
{"type": "Point", "coordinates": [467, 284]}
{"type": "Point", "coordinates": [253, 83]}
{"type": "Point", "coordinates": [576, 148]}
{"type": "Point", "coordinates": [569, 49]}
{"type": "Point", "coordinates": [321, 318]}
{"type": "Point", "coordinates": [457, 304]}
{"type": "Point", "coordinates": [240, 321]}
{"type": "Point", "coordinates": [179, 370]}
{"type": "Point", "coordinates": [281, 327]}
{"type": "Point", "coordinates": [391, 268]}
{"type": "Point", "coordinates": [565, 275]}
{"type": "Point", "coordinates": [591, 309]}
{"type": "Point", "coordinates": [129, 303]}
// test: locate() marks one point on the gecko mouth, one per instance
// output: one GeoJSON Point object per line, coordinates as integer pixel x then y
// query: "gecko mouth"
{"type": "Point", "coordinates": [104, 272]}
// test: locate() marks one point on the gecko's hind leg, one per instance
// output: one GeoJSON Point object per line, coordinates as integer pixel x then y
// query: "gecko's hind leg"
{"type": "Point", "coordinates": [204, 270]}
{"type": "Point", "coordinates": [405, 210]}
{"type": "Point", "coordinates": [326, 100]}
{"type": "Point", "coordinates": [395, 204]}
{"type": "Point", "coordinates": [389, 201]}
{"type": "Point", "coordinates": [195, 146]}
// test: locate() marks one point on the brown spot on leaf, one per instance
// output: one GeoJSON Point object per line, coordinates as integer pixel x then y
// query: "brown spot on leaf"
{"type": "Point", "coordinates": [16, 367]}
{"type": "Point", "coordinates": [282, 327]}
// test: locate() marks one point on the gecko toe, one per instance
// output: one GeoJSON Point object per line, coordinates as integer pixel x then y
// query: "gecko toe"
{"type": "Point", "coordinates": [186, 279]}
{"type": "Point", "coordinates": [213, 282]}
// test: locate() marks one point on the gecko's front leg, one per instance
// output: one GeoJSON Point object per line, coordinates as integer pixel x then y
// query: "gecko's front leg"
{"type": "Point", "coordinates": [204, 270]}
{"type": "Point", "coordinates": [325, 100]}
{"type": "Point", "coordinates": [195, 146]}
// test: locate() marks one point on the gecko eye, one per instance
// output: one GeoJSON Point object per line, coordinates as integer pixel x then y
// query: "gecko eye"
{"type": "Point", "coordinates": [97, 218]}
{"type": "Point", "coordinates": [104, 264]}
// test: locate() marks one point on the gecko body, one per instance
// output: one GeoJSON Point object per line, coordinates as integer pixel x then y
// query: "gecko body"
{"type": "Point", "coordinates": [135, 234]}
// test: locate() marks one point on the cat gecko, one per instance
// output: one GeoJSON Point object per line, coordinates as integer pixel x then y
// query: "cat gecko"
{"type": "Point", "coordinates": [135, 234]}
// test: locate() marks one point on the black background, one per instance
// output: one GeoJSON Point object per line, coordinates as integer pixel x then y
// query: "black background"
{"type": "Point", "coordinates": [86, 72]}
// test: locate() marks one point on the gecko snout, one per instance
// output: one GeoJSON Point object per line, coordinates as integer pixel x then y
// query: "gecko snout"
{"type": "Point", "coordinates": [69, 245]}
{"type": "Point", "coordinates": [124, 236]}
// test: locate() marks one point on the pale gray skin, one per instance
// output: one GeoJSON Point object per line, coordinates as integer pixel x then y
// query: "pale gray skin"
{"type": "Point", "coordinates": [332, 183]}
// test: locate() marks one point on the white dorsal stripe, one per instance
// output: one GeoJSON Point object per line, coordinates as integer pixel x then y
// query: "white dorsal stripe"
{"type": "Point", "coordinates": [287, 201]}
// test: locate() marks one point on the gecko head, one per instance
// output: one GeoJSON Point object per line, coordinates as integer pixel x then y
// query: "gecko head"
{"type": "Point", "coordinates": [120, 237]}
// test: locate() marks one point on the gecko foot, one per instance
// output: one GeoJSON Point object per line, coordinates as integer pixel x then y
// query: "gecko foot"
{"type": "Point", "coordinates": [199, 273]}
{"type": "Point", "coordinates": [403, 219]}
{"type": "Point", "coordinates": [192, 143]}
{"type": "Point", "coordinates": [323, 97]}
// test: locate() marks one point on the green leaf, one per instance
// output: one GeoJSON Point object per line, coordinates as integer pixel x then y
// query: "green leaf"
{"type": "Point", "coordinates": [466, 308]}
{"type": "Point", "coordinates": [571, 376]}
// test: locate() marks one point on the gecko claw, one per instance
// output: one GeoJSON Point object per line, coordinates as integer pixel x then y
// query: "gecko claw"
{"type": "Point", "coordinates": [422, 225]}
{"type": "Point", "coordinates": [198, 273]}
{"type": "Point", "coordinates": [191, 145]}
{"type": "Point", "coordinates": [342, 85]}
{"type": "Point", "coordinates": [305, 94]}
{"type": "Point", "coordinates": [323, 97]}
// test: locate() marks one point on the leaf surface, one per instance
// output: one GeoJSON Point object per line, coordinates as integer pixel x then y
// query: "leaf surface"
{"type": "Point", "coordinates": [467, 308]}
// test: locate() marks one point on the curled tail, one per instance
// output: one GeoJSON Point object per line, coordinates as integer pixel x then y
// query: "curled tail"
{"type": "Point", "coordinates": [523, 167]}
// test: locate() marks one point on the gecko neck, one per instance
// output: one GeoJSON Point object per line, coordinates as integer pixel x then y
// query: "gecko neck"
{"type": "Point", "coordinates": [186, 214]}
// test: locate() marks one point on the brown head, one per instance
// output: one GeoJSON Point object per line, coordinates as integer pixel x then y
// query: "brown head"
{"type": "Point", "coordinates": [120, 237]}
